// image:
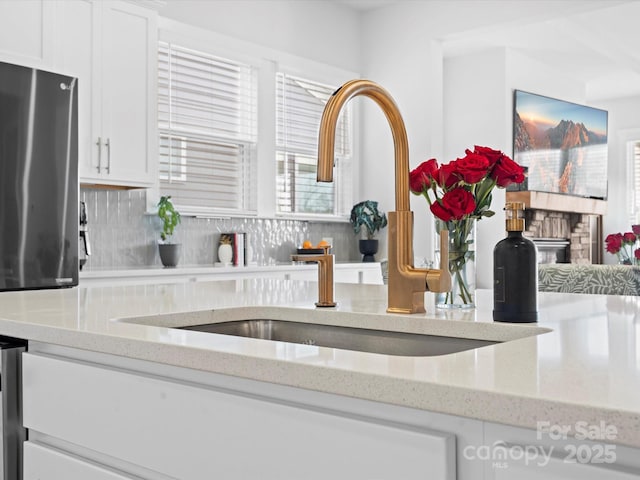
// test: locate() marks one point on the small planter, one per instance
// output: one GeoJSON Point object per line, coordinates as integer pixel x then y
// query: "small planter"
{"type": "Point", "coordinates": [368, 248]}
{"type": "Point", "coordinates": [365, 216]}
{"type": "Point", "coordinates": [169, 253]}
{"type": "Point", "coordinates": [170, 217]}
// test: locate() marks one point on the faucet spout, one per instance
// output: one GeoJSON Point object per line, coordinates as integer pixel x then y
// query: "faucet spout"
{"type": "Point", "coordinates": [406, 284]}
{"type": "Point", "coordinates": [327, 138]}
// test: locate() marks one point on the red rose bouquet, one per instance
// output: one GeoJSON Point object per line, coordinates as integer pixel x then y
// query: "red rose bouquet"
{"type": "Point", "coordinates": [626, 246]}
{"type": "Point", "coordinates": [459, 192]}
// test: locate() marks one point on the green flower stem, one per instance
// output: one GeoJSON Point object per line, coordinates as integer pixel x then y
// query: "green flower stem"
{"type": "Point", "coordinates": [464, 293]}
{"type": "Point", "coordinates": [464, 290]}
{"type": "Point", "coordinates": [459, 255]}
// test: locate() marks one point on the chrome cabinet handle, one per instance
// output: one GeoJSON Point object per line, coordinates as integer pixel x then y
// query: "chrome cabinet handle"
{"type": "Point", "coordinates": [99, 144]}
{"type": "Point", "coordinates": [108, 145]}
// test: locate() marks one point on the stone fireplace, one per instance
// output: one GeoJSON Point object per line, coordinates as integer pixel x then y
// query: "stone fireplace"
{"type": "Point", "coordinates": [565, 229]}
{"type": "Point", "coordinates": [563, 237]}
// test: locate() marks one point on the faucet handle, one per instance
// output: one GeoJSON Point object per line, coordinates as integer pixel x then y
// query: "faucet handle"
{"type": "Point", "coordinates": [325, 274]}
{"type": "Point", "coordinates": [440, 280]}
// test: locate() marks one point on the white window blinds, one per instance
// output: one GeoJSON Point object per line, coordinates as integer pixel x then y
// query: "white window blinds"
{"type": "Point", "coordinates": [299, 106]}
{"type": "Point", "coordinates": [207, 128]}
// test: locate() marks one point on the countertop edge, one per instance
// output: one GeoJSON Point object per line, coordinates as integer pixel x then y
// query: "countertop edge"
{"type": "Point", "coordinates": [516, 410]}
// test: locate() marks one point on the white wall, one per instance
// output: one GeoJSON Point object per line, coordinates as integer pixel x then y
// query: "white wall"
{"type": "Point", "coordinates": [476, 113]}
{"type": "Point", "coordinates": [317, 30]}
{"type": "Point", "coordinates": [624, 126]}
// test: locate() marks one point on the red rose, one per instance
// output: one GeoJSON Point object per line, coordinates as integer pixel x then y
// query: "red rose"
{"type": "Point", "coordinates": [446, 175]}
{"type": "Point", "coordinates": [637, 253]}
{"type": "Point", "coordinates": [613, 242]}
{"type": "Point", "coordinates": [506, 171]}
{"type": "Point", "coordinates": [629, 238]}
{"type": "Point", "coordinates": [454, 205]}
{"type": "Point", "coordinates": [420, 178]}
{"type": "Point", "coordinates": [492, 155]}
{"type": "Point", "coordinates": [636, 229]}
{"type": "Point", "coordinates": [472, 168]}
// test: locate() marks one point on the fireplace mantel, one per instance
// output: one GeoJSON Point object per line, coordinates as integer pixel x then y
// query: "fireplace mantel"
{"type": "Point", "coordinates": [556, 202]}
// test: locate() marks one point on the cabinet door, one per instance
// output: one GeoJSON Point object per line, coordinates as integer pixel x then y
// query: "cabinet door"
{"type": "Point", "coordinates": [25, 32]}
{"type": "Point", "coordinates": [350, 275]}
{"type": "Point", "coordinates": [190, 431]}
{"type": "Point", "coordinates": [43, 463]}
{"type": "Point", "coordinates": [75, 44]}
{"type": "Point", "coordinates": [110, 47]}
{"type": "Point", "coordinates": [302, 274]}
{"type": "Point", "coordinates": [519, 454]}
{"type": "Point", "coordinates": [128, 94]}
{"type": "Point", "coordinates": [532, 466]}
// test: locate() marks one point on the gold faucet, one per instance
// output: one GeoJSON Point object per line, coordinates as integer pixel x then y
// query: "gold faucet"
{"type": "Point", "coordinates": [325, 274]}
{"type": "Point", "coordinates": [406, 284]}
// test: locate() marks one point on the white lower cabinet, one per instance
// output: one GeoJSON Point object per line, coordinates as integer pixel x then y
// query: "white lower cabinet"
{"type": "Point", "coordinates": [95, 416]}
{"type": "Point", "coordinates": [186, 431]}
{"type": "Point", "coordinates": [45, 463]}
{"type": "Point", "coordinates": [519, 454]}
{"type": "Point", "coordinates": [555, 469]}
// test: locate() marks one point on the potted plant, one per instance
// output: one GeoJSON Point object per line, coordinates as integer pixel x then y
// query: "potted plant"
{"type": "Point", "coordinates": [366, 214]}
{"type": "Point", "coordinates": [169, 251]}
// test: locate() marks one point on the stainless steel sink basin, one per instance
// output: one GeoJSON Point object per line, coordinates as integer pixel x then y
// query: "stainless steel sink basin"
{"type": "Point", "coordinates": [346, 338]}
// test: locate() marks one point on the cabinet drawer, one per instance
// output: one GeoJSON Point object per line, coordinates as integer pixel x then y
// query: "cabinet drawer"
{"type": "Point", "coordinates": [555, 468]}
{"type": "Point", "coordinates": [191, 431]}
{"type": "Point", "coordinates": [43, 463]}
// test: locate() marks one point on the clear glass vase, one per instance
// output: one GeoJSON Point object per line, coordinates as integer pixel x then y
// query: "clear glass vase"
{"type": "Point", "coordinates": [462, 264]}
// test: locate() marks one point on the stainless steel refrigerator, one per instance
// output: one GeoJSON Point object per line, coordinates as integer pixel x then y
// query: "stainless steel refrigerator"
{"type": "Point", "coordinates": [38, 179]}
{"type": "Point", "coordinates": [12, 433]}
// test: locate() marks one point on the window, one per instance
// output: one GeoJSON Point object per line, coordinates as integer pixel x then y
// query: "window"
{"type": "Point", "coordinates": [299, 106]}
{"type": "Point", "coordinates": [207, 128]}
{"type": "Point", "coordinates": [634, 160]}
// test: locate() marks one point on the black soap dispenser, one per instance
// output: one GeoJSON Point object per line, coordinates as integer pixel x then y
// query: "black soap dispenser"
{"type": "Point", "coordinates": [515, 272]}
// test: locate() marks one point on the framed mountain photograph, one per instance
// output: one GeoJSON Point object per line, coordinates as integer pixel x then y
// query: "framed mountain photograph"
{"type": "Point", "coordinates": [563, 145]}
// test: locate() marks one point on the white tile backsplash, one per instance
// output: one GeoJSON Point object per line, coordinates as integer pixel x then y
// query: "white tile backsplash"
{"type": "Point", "coordinates": [123, 236]}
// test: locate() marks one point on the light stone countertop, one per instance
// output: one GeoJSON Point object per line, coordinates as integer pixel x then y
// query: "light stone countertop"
{"type": "Point", "coordinates": [580, 363]}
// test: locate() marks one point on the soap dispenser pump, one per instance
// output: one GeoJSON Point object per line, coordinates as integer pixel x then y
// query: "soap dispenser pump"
{"type": "Point", "coordinates": [515, 272]}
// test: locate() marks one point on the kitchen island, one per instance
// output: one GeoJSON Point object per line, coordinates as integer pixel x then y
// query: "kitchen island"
{"type": "Point", "coordinates": [108, 381]}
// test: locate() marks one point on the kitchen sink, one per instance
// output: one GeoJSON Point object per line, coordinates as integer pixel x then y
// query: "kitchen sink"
{"type": "Point", "coordinates": [347, 338]}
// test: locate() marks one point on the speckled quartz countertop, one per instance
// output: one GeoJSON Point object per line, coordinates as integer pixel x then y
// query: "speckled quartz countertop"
{"type": "Point", "coordinates": [581, 362]}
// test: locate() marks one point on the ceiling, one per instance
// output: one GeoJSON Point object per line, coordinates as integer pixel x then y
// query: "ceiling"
{"type": "Point", "coordinates": [597, 42]}
{"type": "Point", "coordinates": [600, 46]}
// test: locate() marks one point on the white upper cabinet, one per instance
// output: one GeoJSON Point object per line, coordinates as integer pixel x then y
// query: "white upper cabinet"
{"type": "Point", "coordinates": [26, 33]}
{"type": "Point", "coordinates": [111, 46]}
